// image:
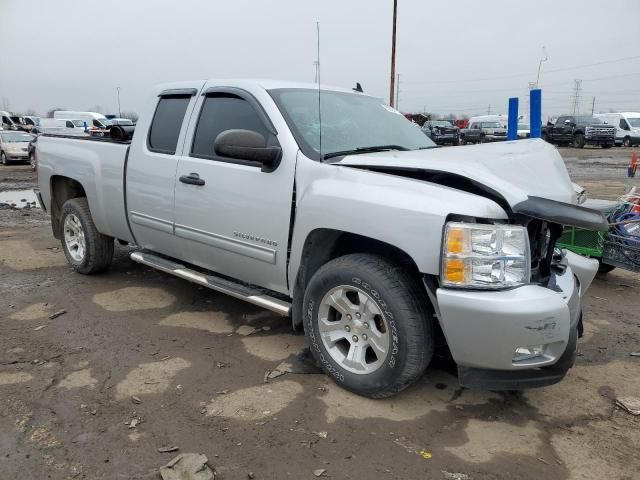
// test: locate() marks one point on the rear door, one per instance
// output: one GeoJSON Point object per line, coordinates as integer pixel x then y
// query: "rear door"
{"type": "Point", "coordinates": [151, 169]}
{"type": "Point", "coordinates": [237, 221]}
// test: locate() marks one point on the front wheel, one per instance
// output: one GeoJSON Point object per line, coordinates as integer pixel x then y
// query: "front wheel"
{"type": "Point", "coordinates": [3, 159]}
{"type": "Point", "coordinates": [463, 141]}
{"type": "Point", "coordinates": [87, 250]}
{"type": "Point", "coordinates": [627, 142]}
{"type": "Point", "coordinates": [368, 325]}
{"type": "Point", "coordinates": [578, 140]}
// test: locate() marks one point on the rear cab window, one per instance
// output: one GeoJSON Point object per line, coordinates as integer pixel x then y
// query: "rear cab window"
{"type": "Point", "coordinates": [167, 122]}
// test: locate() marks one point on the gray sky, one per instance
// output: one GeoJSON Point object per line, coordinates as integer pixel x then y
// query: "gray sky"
{"type": "Point", "coordinates": [458, 57]}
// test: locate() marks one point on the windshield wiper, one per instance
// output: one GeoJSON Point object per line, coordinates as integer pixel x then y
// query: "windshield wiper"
{"type": "Point", "coordinates": [356, 151]}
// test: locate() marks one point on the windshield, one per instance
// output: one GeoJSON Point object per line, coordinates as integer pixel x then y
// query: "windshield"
{"type": "Point", "coordinates": [634, 122]}
{"type": "Point", "coordinates": [349, 121]}
{"type": "Point", "coordinates": [15, 137]}
{"type": "Point", "coordinates": [491, 125]}
{"type": "Point", "coordinates": [588, 120]}
{"type": "Point", "coordinates": [18, 120]}
{"type": "Point", "coordinates": [441, 123]}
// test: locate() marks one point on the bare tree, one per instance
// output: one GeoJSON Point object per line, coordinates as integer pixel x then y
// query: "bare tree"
{"type": "Point", "coordinates": [31, 112]}
{"type": "Point", "coordinates": [52, 111]}
{"type": "Point", "coordinates": [133, 116]}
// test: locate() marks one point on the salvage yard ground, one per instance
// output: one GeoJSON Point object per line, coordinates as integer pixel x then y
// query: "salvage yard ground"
{"type": "Point", "coordinates": [141, 361]}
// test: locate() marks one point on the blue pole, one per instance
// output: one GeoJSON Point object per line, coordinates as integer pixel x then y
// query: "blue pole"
{"type": "Point", "coordinates": [535, 115]}
{"type": "Point", "coordinates": [512, 125]}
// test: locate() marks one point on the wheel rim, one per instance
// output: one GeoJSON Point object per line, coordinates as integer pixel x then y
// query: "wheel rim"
{"type": "Point", "coordinates": [353, 329]}
{"type": "Point", "coordinates": [74, 237]}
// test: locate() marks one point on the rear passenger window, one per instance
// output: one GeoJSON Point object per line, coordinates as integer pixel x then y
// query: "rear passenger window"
{"type": "Point", "coordinates": [220, 113]}
{"type": "Point", "coordinates": [166, 124]}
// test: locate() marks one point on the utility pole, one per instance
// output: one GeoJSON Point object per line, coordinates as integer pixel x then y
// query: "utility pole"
{"type": "Point", "coordinates": [398, 93]}
{"type": "Point", "coordinates": [593, 104]}
{"type": "Point", "coordinates": [489, 110]}
{"type": "Point", "coordinates": [119, 110]}
{"type": "Point", "coordinates": [575, 99]}
{"type": "Point", "coordinates": [393, 54]}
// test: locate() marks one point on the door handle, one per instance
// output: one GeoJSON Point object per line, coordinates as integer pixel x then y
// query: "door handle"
{"type": "Point", "coordinates": [192, 179]}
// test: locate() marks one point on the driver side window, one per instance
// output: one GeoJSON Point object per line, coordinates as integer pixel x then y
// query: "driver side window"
{"type": "Point", "coordinates": [223, 112]}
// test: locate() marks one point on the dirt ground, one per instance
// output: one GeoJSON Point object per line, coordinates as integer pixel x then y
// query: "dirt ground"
{"type": "Point", "coordinates": [187, 366]}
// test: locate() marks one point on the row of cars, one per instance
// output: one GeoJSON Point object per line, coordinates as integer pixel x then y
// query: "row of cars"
{"type": "Point", "coordinates": [604, 130]}
{"type": "Point", "coordinates": [18, 133]}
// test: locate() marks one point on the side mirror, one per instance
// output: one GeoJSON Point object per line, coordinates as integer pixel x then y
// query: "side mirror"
{"type": "Point", "coordinates": [246, 145]}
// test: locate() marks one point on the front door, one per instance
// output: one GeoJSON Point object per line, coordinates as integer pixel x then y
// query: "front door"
{"type": "Point", "coordinates": [235, 218]}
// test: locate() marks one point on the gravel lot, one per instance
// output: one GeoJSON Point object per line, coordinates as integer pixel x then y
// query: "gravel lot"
{"type": "Point", "coordinates": [188, 366]}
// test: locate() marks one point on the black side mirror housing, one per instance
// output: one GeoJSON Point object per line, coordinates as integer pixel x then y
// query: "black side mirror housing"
{"type": "Point", "coordinates": [247, 145]}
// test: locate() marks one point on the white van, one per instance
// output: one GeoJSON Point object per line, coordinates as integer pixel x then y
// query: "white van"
{"type": "Point", "coordinates": [64, 126]}
{"type": "Point", "coordinates": [6, 123]}
{"type": "Point", "coordinates": [93, 119]}
{"type": "Point", "coordinates": [627, 126]}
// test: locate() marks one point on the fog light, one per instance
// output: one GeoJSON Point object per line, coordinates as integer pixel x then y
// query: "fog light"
{"type": "Point", "coordinates": [527, 353]}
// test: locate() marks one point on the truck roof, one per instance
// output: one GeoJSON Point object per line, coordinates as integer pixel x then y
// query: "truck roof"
{"type": "Point", "coordinates": [267, 84]}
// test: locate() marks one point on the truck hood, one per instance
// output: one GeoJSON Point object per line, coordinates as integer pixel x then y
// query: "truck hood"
{"type": "Point", "coordinates": [515, 174]}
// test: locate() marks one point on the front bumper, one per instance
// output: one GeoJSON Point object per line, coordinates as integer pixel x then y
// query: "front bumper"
{"type": "Point", "coordinates": [483, 329]}
{"type": "Point", "coordinates": [17, 156]}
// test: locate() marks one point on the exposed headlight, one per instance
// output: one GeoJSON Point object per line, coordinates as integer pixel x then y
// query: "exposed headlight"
{"type": "Point", "coordinates": [485, 256]}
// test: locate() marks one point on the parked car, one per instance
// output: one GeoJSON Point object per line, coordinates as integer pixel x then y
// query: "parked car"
{"type": "Point", "coordinates": [524, 131]}
{"type": "Point", "coordinates": [74, 126]}
{"type": "Point", "coordinates": [579, 130]}
{"type": "Point", "coordinates": [371, 240]}
{"type": "Point", "coordinates": [14, 146]}
{"type": "Point", "coordinates": [19, 121]}
{"type": "Point", "coordinates": [32, 120]}
{"type": "Point", "coordinates": [627, 125]}
{"type": "Point", "coordinates": [121, 121]}
{"type": "Point", "coordinates": [6, 123]}
{"type": "Point", "coordinates": [441, 132]}
{"type": "Point", "coordinates": [481, 132]}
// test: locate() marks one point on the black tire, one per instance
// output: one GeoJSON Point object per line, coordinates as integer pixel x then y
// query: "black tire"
{"type": "Point", "coordinates": [98, 252]}
{"type": "Point", "coordinates": [604, 268]}
{"type": "Point", "coordinates": [627, 142]}
{"type": "Point", "coordinates": [32, 161]}
{"type": "Point", "coordinates": [607, 145]}
{"type": "Point", "coordinates": [3, 159]}
{"type": "Point", "coordinates": [483, 139]}
{"type": "Point", "coordinates": [405, 312]}
{"type": "Point", "coordinates": [578, 140]}
{"type": "Point", "coordinates": [455, 143]}
{"type": "Point", "coordinates": [463, 141]}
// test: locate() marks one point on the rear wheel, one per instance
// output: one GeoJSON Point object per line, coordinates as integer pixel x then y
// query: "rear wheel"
{"type": "Point", "coordinates": [578, 140]}
{"type": "Point", "coordinates": [607, 145]}
{"type": "Point", "coordinates": [32, 161]}
{"type": "Point", "coordinates": [87, 250]}
{"type": "Point", "coordinates": [482, 139]}
{"type": "Point", "coordinates": [368, 325]}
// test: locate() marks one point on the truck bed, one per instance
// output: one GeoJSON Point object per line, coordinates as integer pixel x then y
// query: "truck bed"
{"type": "Point", "coordinates": [97, 163]}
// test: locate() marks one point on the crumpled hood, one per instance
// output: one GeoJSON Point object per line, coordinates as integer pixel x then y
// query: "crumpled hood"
{"type": "Point", "coordinates": [515, 170]}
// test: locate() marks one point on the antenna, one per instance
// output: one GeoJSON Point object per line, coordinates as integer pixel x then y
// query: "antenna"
{"type": "Point", "coordinates": [319, 111]}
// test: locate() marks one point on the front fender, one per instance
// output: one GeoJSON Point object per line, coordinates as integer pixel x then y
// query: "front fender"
{"type": "Point", "coordinates": [404, 212]}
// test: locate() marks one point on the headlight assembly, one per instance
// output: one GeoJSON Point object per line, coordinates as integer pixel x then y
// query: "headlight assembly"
{"type": "Point", "coordinates": [485, 256]}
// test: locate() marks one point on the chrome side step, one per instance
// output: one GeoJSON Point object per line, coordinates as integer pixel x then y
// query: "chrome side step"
{"type": "Point", "coordinates": [222, 285]}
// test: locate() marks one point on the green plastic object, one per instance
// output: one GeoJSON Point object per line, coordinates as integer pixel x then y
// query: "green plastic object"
{"type": "Point", "coordinates": [583, 242]}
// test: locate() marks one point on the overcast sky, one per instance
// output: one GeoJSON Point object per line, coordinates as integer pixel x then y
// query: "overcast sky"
{"type": "Point", "coordinates": [462, 56]}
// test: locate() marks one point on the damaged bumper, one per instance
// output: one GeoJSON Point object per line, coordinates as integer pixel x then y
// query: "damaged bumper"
{"type": "Point", "coordinates": [488, 331]}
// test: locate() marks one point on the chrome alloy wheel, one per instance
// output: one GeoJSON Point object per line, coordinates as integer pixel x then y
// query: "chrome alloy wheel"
{"type": "Point", "coordinates": [74, 237]}
{"type": "Point", "coordinates": [353, 329]}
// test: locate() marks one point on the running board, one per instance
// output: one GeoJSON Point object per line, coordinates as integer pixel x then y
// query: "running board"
{"type": "Point", "coordinates": [238, 290]}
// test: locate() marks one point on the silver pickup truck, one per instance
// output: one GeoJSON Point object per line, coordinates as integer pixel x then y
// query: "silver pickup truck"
{"type": "Point", "coordinates": [352, 223]}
